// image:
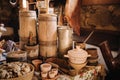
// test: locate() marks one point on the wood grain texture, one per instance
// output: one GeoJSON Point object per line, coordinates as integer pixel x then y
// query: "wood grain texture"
{"type": "Point", "coordinates": [47, 34]}
{"type": "Point", "coordinates": [91, 2]}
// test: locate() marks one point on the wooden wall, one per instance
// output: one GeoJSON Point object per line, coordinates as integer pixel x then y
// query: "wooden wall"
{"type": "Point", "coordinates": [105, 15]}
{"type": "Point", "coordinates": [99, 36]}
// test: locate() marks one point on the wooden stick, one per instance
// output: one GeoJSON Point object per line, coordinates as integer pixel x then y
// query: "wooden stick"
{"type": "Point", "coordinates": [88, 36]}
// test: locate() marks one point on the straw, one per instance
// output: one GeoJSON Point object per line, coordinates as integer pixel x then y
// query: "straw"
{"type": "Point", "coordinates": [88, 36]}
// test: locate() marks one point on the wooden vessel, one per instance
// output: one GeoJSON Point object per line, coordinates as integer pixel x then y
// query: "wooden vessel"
{"type": "Point", "coordinates": [32, 51]}
{"type": "Point", "coordinates": [47, 33]}
{"type": "Point", "coordinates": [16, 56]}
{"type": "Point", "coordinates": [27, 21]}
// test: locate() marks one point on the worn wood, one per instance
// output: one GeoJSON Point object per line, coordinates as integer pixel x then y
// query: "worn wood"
{"type": "Point", "coordinates": [113, 64]}
{"type": "Point", "coordinates": [27, 22]}
{"type": "Point", "coordinates": [106, 52]}
{"type": "Point", "coordinates": [92, 2]}
{"type": "Point", "coordinates": [47, 33]}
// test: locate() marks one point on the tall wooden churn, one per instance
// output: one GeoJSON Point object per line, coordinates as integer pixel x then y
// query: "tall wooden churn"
{"type": "Point", "coordinates": [27, 21]}
{"type": "Point", "coordinates": [47, 33]}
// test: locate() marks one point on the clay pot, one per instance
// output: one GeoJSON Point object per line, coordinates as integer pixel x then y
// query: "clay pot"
{"type": "Point", "coordinates": [36, 63]}
{"type": "Point", "coordinates": [45, 67]}
{"type": "Point", "coordinates": [92, 52]}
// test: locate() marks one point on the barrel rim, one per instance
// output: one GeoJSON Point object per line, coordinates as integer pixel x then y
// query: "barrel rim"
{"type": "Point", "coordinates": [64, 27]}
{"type": "Point", "coordinates": [44, 15]}
{"type": "Point", "coordinates": [27, 11]}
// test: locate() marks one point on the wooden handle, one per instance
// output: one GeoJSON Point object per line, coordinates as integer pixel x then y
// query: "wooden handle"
{"type": "Point", "coordinates": [47, 6]}
{"type": "Point", "coordinates": [66, 56]}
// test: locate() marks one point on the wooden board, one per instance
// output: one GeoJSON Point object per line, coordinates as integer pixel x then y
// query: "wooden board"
{"type": "Point", "coordinates": [92, 2]}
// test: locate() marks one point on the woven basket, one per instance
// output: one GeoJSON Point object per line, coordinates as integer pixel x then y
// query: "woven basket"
{"type": "Point", "coordinates": [24, 77]}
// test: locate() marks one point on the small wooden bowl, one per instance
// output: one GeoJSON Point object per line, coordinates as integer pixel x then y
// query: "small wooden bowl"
{"type": "Point", "coordinates": [36, 63]}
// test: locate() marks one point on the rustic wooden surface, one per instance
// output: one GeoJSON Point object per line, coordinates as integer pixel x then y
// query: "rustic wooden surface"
{"type": "Point", "coordinates": [92, 2]}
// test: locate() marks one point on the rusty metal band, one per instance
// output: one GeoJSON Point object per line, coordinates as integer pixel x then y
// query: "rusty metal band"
{"type": "Point", "coordinates": [47, 19]}
{"type": "Point", "coordinates": [48, 43]}
{"type": "Point", "coordinates": [25, 39]}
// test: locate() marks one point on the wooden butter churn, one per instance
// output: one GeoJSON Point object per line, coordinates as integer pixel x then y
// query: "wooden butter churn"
{"type": "Point", "coordinates": [47, 33]}
{"type": "Point", "coordinates": [27, 25]}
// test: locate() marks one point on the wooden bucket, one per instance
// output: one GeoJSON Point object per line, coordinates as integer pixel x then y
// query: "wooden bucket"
{"type": "Point", "coordinates": [32, 51]}
{"type": "Point", "coordinates": [27, 21]}
{"type": "Point", "coordinates": [48, 35]}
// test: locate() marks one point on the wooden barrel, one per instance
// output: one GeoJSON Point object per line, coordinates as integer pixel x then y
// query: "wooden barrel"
{"type": "Point", "coordinates": [27, 21]}
{"type": "Point", "coordinates": [48, 35]}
